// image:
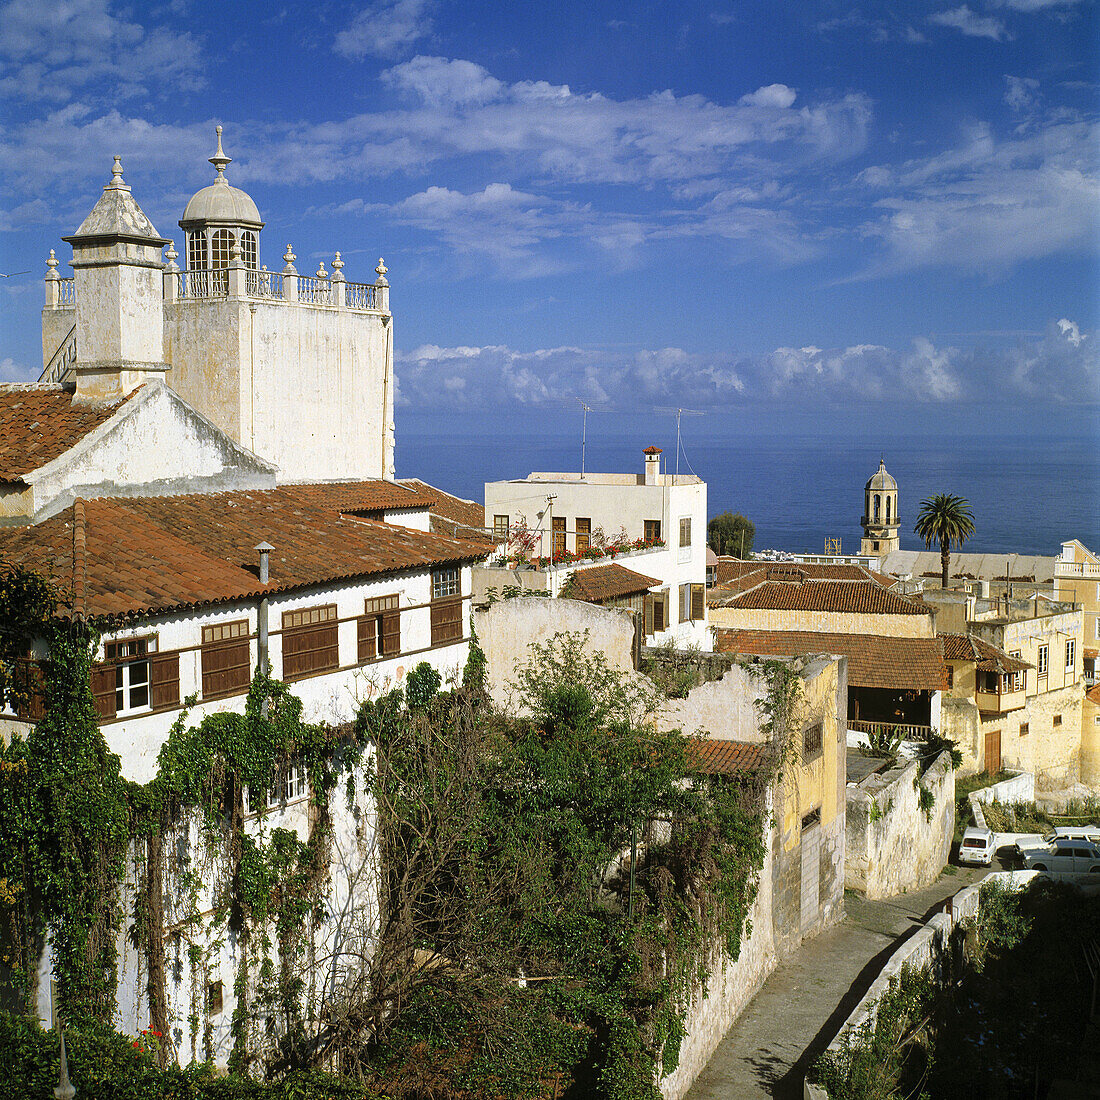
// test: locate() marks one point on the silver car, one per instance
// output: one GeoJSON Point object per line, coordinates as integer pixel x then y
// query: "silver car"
{"type": "Point", "coordinates": [1078, 857]}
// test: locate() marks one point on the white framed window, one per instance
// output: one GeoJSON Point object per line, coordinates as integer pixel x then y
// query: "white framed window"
{"type": "Point", "coordinates": [500, 528]}
{"type": "Point", "coordinates": [196, 252]}
{"type": "Point", "coordinates": [248, 250]}
{"type": "Point", "coordinates": [685, 603]}
{"type": "Point", "coordinates": [1019, 677]}
{"type": "Point", "coordinates": [131, 660]}
{"type": "Point", "coordinates": [294, 785]}
{"type": "Point", "coordinates": [1096, 627]}
{"type": "Point", "coordinates": [1042, 660]}
{"type": "Point", "coordinates": [1071, 654]}
{"type": "Point", "coordinates": [446, 582]}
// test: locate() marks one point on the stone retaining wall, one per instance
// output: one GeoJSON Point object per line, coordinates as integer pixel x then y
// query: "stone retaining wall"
{"type": "Point", "coordinates": [1018, 788]}
{"type": "Point", "coordinates": [891, 845]}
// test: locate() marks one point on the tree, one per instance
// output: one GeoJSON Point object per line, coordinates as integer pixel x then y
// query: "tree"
{"type": "Point", "coordinates": [946, 519]}
{"type": "Point", "coordinates": [731, 534]}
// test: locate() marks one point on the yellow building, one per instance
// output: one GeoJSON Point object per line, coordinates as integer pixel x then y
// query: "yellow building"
{"type": "Point", "coordinates": [1077, 580]}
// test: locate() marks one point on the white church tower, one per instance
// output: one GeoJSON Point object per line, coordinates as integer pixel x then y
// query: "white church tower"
{"type": "Point", "coordinates": [880, 513]}
{"type": "Point", "coordinates": [296, 368]}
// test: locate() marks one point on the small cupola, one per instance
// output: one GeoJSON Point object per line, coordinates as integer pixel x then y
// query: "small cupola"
{"type": "Point", "coordinates": [219, 217]}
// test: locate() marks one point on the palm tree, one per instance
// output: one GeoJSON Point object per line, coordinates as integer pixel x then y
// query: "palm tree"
{"type": "Point", "coordinates": [946, 519]}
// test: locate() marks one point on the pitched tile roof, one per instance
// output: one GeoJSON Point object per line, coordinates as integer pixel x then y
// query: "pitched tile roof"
{"type": "Point", "coordinates": [873, 660]}
{"type": "Point", "coordinates": [731, 569]}
{"type": "Point", "coordinates": [987, 657]}
{"type": "Point", "coordinates": [355, 497]}
{"type": "Point", "coordinates": [467, 513]}
{"type": "Point", "coordinates": [155, 554]}
{"type": "Point", "coordinates": [606, 582]}
{"type": "Point", "coordinates": [40, 423]}
{"type": "Point", "coordinates": [1093, 694]}
{"type": "Point", "coordinates": [859, 597]}
{"type": "Point", "coordinates": [713, 756]}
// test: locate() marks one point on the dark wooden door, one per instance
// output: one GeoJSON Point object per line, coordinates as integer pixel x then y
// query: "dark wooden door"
{"type": "Point", "coordinates": [993, 752]}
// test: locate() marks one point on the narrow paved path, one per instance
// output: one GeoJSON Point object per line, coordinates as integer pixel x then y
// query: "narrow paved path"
{"type": "Point", "coordinates": [807, 998]}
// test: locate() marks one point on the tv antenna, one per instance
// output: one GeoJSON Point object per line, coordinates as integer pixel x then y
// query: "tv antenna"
{"type": "Point", "coordinates": [679, 413]}
{"type": "Point", "coordinates": [584, 433]}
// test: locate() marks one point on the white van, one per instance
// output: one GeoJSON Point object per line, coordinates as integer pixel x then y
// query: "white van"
{"type": "Point", "coordinates": [976, 846]}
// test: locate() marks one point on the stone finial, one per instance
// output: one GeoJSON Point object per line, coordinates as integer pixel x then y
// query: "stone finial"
{"type": "Point", "coordinates": [321, 272]}
{"type": "Point", "coordinates": [219, 159]}
{"type": "Point", "coordinates": [380, 271]}
{"type": "Point", "coordinates": [337, 265]}
{"type": "Point", "coordinates": [51, 263]}
{"type": "Point", "coordinates": [289, 258]}
{"type": "Point", "coordinates": [117, 182]}
{"type": "Point", "coordinates": [171, 256]}
{"type": "Point", "coordinates": [235, 252]}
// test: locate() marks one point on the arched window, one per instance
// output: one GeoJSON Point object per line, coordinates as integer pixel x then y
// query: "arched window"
{"type": "Point", "coordinates": [196, 251]}
{"type": "Point", "coordinates": [877, 499]}
{"type": "Point", "coordinates": [222, 243]}
{"type": "Point", "coordinates": [248, 250]}
{"type": "Point", "coordinates": [888, 509]}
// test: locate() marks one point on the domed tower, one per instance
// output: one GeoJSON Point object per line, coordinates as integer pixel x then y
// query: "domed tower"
{"type": "Point", "coordinates": [880, 513]}
{"type": "Point", "coordinates": [216, 218]}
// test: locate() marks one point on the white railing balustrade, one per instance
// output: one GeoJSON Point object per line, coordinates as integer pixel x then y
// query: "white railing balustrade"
{"type": "Point", "coordinates": [66, 292]}
{"type": "Point", "coordinates": [62, 361]}
{"type": "Point", "coordinates": [313, 291]}
{"type": "Point", "coordinates": [361, 296]}
{"type": "Point", "coordinates": [263, 284]}
{"type": "Point", "coordinates": [202, 283]}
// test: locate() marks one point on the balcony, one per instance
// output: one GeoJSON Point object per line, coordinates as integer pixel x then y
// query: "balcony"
{"type": "Point", "coordinates": [907, 731]}
{"type": "Point", "coordinates": [999, 702]}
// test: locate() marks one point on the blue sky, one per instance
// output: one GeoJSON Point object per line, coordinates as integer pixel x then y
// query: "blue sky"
{"type": "Point", "coordinates": [841, 208]}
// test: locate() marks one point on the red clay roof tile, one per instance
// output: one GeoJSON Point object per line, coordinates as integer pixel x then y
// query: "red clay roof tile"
{"type": "Point", "coordinates": [40, 423]}
{"type": "Point", "coordinates": [607, 582]}
{"type": "Point", "coordinates": [857, 597]}
{"type": "Point", "coordinates": [873, 660]}
{"type": "Point", "coordinates": [155, 554]}
{"type": "Point", "coordinates": [714, 756]}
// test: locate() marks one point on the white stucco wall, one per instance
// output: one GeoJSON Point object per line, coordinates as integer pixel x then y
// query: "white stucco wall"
{"type": "Point", "coordinates": [307, 387]}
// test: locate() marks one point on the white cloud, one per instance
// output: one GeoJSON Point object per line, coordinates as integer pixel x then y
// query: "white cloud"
{"type": "Point", "coordinates": [1020, 92]}
{"type": "Point", "coordinates": [989, 204]}
{"type": "Point", "coordinates": [1061, 366]}
{"type": "Point", "coordinates": [437, 81]}
{"type": "Point", "coordinates": [772, 95]}
{"type": "Point", "coordinates": [385, 28]}
{"type": "Point", "coordinates": [1032, 5]}
{"type": "Point", "coordinates": [971, 24]}
{"type": "Point", "coordinates": [11, 371]}
{"type": "Point", "coordinates": [49, 51]}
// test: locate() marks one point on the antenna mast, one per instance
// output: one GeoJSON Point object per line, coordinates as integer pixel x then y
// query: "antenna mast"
{"type": "Point", "coordinates": [584, 433]}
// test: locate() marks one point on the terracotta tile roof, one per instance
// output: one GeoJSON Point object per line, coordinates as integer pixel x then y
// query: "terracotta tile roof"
{"type": "Point", "coordinates": [729, 569]}
{"type": "Point", "coordinates": [155, 554]}
{"type": "Point", "coordinates": [467, 513]}
{"type": "Point", "coordinates": [40, 423]}
{"type": "Point", "coordinates": [987, 657]}
{"type": "Point", "coordinates": [858, 597]}
{"type": "Point", "coordinates": [357, 497]}
{"type": "Point", "coordinates": [606, 582]}
{"type": "Point", "coordinates": [718, 757]}
{"type": "Point", "coordinates": [1091, 654]}
{"type": "Point", "coordinates": [873, 660]}
{"type": "Point", "coordinates": [1093, 694]}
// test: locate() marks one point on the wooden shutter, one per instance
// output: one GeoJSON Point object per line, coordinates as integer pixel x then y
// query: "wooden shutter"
{"type": "Point", "coordinates": [226, 667]}
{"type": "Point", "coordinates": [391, 633]}
{"type": "Point", "coordinates": [660, 611]}
{"type": "Point", "coordinates": [164, 680]}
{"type": "Point", "coordinates": [366, 636]}
{"type": "Point", "coordinates": [446, 621]}
{"type": "Point", "coordinates": [103, 690]}
{"type": "Point", "coordinates": [698, 601]}
{"type": "Point", "coordinates": [650, 604]}
{"type": "Point", "coordinates": [311, 642]}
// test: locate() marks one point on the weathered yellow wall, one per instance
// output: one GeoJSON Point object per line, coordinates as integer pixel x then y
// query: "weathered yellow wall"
{"type": "Point", "coordinates": [895, 626]}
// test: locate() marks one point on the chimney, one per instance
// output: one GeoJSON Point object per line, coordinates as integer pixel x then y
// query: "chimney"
{"type": "Point", "coordinates": [652, 465]}
{"type": "Point", "coordinates": [264, 549]}
{"type": "Point", "coordinates": [119, 296]}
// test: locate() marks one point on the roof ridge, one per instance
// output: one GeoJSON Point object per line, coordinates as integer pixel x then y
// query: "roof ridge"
{"type": "Point", "coordinates": [80, 558]}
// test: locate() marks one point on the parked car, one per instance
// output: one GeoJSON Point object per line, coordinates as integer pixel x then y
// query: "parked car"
{"type": "Point", "coordinates": [1062, 856]}
{"type": "Point", "coordinates": [1073, 832]}
{"type": "Point", "coordinates": [976, 846]}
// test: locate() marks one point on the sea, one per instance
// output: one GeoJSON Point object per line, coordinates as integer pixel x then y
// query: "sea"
{"type": "Point", "coordinates": [1029, 492]}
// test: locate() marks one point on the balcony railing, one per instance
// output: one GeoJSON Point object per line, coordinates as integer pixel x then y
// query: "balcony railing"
{"type": "Point", "coordinates": [264, 284]}
{"type": "Point", "coordinates": [62, 361]}
{"type": "Point", "coordinates": [909, 731]}
{"type": "Point", "coordinates": [66, 292]}
{"type": "Point", "coordinates": [275, 286]}
{"type": "Point", "coordinates": [1076, 569]}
